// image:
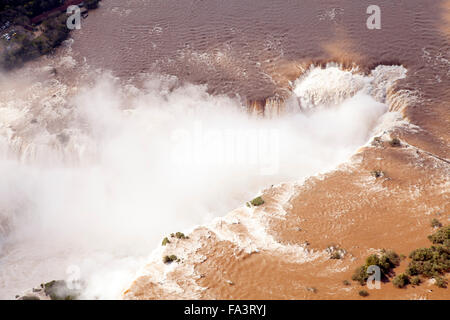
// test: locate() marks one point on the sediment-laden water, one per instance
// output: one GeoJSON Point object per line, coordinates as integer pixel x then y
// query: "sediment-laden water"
{"type": "Point", "coordinates": [149, 121]}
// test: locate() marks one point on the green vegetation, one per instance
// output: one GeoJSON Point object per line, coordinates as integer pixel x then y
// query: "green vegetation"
{"type": "Point", "coordinates": [180, 235]}
{"type": "Point", "coordinates": [29, 8]}
{"type": "Point", "coordinates": [165, 241]}
{"type": "Point", "coordinates": [442, 236]}
{"type": "Point", "coordinates": [12, 10]}
{"type": "Point", "coordinates": [24, 47]}
{"type": "Point", "coordinates": [386, 260]}
{"type": "Point", "coordinates": [440, 282]}
{"type": "Point", "coordinates": [24, 42]}
{"type": "Point", "coordinates": [55, 32]}
{"type": "Point", "coordinates": [256, 202]}
{"type": "Point", "coordinates": [363, 293]}
{"type": "Point", "coordinates": [435, 223]}
{"type": "Point", "coordinates": [429, 262]}
{"type": "Point", "coordinates": [346, 283]}
{"type": "Point", "coordinates": [170, 259]}
{"type": "Point", "coordinates": [400, 281]}
{"type": "Point", "coordinates": [415, 280]}
{"type": "Point", "coordinates": [360, 275]}
{"type": "Point", "coordinates": [433, 261]}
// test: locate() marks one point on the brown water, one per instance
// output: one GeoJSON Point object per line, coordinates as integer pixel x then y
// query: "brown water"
{"type": "Point", "coordinates": [252, 47]}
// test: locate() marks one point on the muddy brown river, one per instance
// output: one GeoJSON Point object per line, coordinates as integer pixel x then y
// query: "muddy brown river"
{"type": "Point", "coordinates": [91, 148]}
{"type": "Point", "coordinates": [252, 47]}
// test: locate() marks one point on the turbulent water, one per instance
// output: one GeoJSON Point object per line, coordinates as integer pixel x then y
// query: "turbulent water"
{"type": "Point", "coordinates": [253, 47]}
{"type": "Point", "coordinates": [104, 152]}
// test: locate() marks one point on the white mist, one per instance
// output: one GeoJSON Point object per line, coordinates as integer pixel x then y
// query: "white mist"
{"type": "Point", "coordinates": [121, 176]}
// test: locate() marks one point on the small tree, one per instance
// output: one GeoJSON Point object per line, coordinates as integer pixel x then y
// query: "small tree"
{"type": "Point", "coordinates": [400, 281]}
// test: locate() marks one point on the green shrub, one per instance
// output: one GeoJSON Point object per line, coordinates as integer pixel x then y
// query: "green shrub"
{"type": "Point", "coordinates": [257, 201]}
{"type": "Point", "coordinates": [415, 280]}
{"type": "Point", "coordinates": [429, 261]}
{"type": "Point", "coordinates": [440, 282]}
{"type": "Point", "coordinates": [421, 254]}
{"type": "Point", "coordinates": [170, 259]}
{"type": "Point", "coordinates": [346, 283]}
{"type": "Point", "coordinates": [442, 236]}
{"type": "Point", "coordinates": [165, 241]}
{"type": "Point", "coordinates": [392, 257]}
{"type": "Point", "coordinates": [360, 275]}
{"type": "Point", "coordinates": [363, 293]}
{"type": "Point", "coordinates": [386, 260]}
{"type": "Point", "coordinates": [400, 281]}
{"type": "Point", "coordinates": [180, 235]}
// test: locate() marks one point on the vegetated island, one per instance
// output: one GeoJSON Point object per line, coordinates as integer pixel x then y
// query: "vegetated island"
{"type": "Point", "coordinates": [31, 28]}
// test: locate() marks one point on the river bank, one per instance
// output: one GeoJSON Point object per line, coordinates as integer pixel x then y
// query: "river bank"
{"type": "Point", "coordinates": [30, 29]}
